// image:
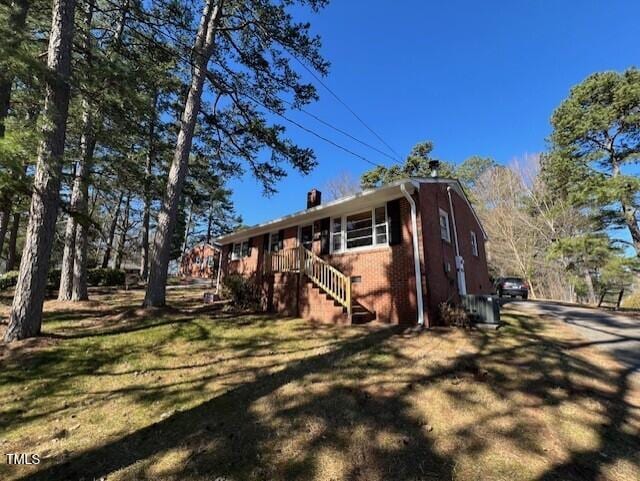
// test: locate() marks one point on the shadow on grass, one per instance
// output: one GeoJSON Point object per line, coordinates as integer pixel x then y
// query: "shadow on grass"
{"type": "Point", "coordinates": [287, 423]}
{"type": "Point", "coordinates": [225, 435]}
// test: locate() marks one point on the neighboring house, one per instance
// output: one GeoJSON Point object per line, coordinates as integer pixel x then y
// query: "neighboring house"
{"type": "Point", "coordinates": [357, 258]}
{"type": "Point", "coordinates": [201, 260]}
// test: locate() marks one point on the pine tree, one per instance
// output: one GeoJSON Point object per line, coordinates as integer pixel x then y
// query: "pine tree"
{"type": "Point", "coordinates": [596, 136]}
{"type": "Point", "coordinates": [243, 49]}
{"type": "Point", "coordinates": [26, 310]}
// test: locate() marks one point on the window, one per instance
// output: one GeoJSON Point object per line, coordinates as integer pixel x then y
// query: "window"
{"type": "Point", "coordinates": [474, 244]}
{"type": "Point", "coordinates": [381, 225]}
{"type": "Point", "coordinates": [275, 242]}
{"type": "Point", "coordinates": [306, 236]}
{"type": "Point", "coordinates": [359, 230]}
{"type": "Point", "coordinates": [445, 233]}
{"type": "Point", "coordinates": [364, 229]}
{"type": "Point", "coordinates": [240, 249]}
{"type": "Point", "coordinates": [336, 234]}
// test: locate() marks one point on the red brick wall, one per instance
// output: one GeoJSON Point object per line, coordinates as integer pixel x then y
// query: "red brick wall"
{"type": "Point", "coordinates": [191, 268]}
{"type": "Point", "coordinates": [387, 285]}
{"type": "Point", "coordinates": [387, 281]}
{"type": "Point", "coordinates": [439, 255]}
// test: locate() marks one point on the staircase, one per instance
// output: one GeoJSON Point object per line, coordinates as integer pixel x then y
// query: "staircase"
{"type": "Point", "coordinates": [326, 278]}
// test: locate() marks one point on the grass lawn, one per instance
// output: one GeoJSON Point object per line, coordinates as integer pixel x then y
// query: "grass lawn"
{"type": "Point", "coordinates": [190, 393]}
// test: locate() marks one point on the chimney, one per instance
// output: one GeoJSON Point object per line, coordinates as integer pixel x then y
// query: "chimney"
{"type": "Point", "coordinates": [434, 165]}
{"type": "Point", "coordinates": [314, 198]}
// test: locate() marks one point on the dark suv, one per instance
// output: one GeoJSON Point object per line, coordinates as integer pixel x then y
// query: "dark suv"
{"type": "Point", "coordinates": [512, 286]}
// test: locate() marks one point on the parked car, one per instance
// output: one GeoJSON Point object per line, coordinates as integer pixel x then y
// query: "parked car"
{"type": "Point", "coordinates": [512, 286]}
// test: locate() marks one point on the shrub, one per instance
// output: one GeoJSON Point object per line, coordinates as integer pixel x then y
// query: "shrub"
{"type": "Point", "coordinates": [8, 279]}
{"type": "Point", "coordinates": [452, 315]}
{"type": "Point", "coordinates": [244, 292]}
{"type": "Point", "coordinates": [105, 277]}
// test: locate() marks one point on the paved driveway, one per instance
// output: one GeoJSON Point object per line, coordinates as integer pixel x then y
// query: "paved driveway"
{"type": "Point", "coordinates": [613, 331]}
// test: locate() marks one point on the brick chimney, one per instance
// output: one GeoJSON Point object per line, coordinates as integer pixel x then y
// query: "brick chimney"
{"type": "Point", "coordinates": [314, 198]}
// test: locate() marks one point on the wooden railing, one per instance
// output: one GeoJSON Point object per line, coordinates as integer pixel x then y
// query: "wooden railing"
{"type": "Point", "coordinates": [286, 260]}
{"type": "Point", "coordinates": [323, 274]}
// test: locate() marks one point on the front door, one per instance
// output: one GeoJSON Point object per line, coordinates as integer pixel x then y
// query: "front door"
{"type": "Point", "coordinates": [306, 236]}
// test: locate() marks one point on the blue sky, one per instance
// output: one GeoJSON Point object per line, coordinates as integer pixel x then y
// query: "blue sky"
{"type": "Point", "coordinates": [476, 78]}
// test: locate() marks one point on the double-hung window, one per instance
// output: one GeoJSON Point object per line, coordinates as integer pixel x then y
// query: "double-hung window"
{"type": "Point", "coordinates": [474, 244]}
{"type": "Point", "coordinates": [240, 249]}
{"type": "Point", "coordinates": [445, 232]}
{"type": "Point", "coordinates": [364, 229]}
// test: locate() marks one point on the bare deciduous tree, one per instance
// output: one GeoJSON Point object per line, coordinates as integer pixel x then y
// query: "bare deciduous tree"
{"type": "Point", "coordinates": [342, 185]}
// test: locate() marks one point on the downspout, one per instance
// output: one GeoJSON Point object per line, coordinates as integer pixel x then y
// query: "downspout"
{"type": "Point", "coordinates": [219, 271]}
{"type": "Point", "coordinates": [462, 284]}
{"type": "Point", "coordinates": [416, 254]}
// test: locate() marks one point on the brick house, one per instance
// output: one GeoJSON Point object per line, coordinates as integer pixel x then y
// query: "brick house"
{"type": "Point", "coordinates": [357, 258]}
{"type": "Point", "coordinates": [201, 260]}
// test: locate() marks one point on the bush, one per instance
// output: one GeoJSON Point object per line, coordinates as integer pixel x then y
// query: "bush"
{"type": "Point", "coordinates": [452, 315]}
{"type": "Point", "coordinates": [95, 277]}
{"type": "Point", "coordinates": [105, 277]}
{"type": "Point", "coordinates": [8, 279]}
{"type": "Point", "coordinates": [244, 292]}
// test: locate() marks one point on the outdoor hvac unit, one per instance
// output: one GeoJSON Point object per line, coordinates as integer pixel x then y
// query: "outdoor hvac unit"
{"type": "Point", "coordinates": [482, 309]}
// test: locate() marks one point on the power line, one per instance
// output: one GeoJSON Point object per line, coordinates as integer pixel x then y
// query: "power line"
{"type": "Point", "coordinates": [344, 104]}
{"type": "Point", "coordinates": [312, 132]}
{"type": "Point", "coordinates": [338, 129]}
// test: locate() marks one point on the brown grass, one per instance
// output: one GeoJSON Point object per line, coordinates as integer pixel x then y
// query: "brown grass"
{"type": "Point", "coordinates": [191, 393]}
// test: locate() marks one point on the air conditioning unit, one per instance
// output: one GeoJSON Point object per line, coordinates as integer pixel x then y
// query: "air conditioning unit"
{"type": "Point", "coordinates": [484, 310]}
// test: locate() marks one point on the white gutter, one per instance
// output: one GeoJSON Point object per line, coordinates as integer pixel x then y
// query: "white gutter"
{"type": "Point", "coordinates": [416, 254]}
{"type": "Point", "coordinates": [462, 284]}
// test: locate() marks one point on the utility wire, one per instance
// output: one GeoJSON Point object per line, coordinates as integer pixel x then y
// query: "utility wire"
{"type": "Point", "coordinates": [312, 132]}
{"type": "Point", "coordinates": [338, 129]}
{"type": "Point", "coordinates": [344, 104]}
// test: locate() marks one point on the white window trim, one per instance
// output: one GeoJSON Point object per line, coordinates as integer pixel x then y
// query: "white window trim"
{"type": "Point", "coordinates": [343, 232]}
{"type": "Point", "coordinates": [235, 257]}
{"type": "Point", "coordinates": [474, 244]}
{"type": "Point", "coordinates": [443, 213]}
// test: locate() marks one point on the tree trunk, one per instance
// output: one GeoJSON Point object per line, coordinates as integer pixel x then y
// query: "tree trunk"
{"type": "Point", "coordinates": [5, 214]}
{"type": "Point", "coordinates": [26, 311]}
{"type": "Point", "coordinates": [629, 214]}
{"type": "Point", "coordinates": [16, 21]}
{"type": "Point", "coordinates": [66, 271]}
{"type": "Point", "coordinates": [13, 241]}
{"type": "Point", "coordinates": [187, 228]}
{"type": "Point", "coordinates": [203, 49]}
{"type": "Point", "coordinates": [87, 147]}
{"type": "Point", "coordinates": [210, 224]}
{"type": "Point", "coordinates": [112, 233]}
{"type": "Point", "coordinates": [144, 254]}
{"type": "Point", "coordinates": [146, 216]}
{"type": "Point", "coordinates": [588, 280]}
{"type": "Point", "coordinates": [631, 220]}
{"type": "Point", "coordinates": [123, 236]}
